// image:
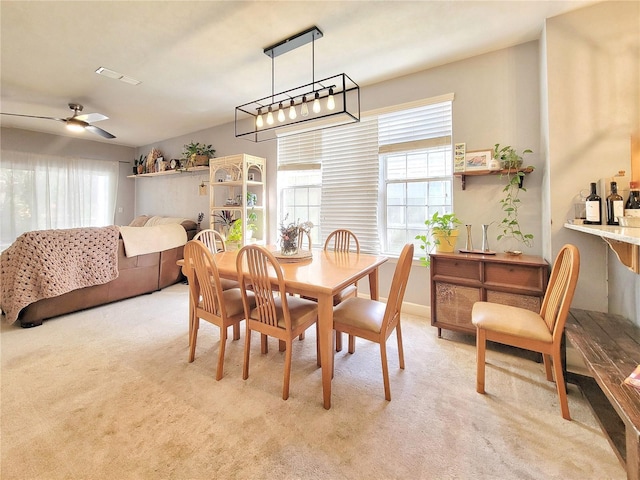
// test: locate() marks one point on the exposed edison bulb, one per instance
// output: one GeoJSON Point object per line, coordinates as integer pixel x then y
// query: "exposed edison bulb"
{"type": "Point", "coordinates": [331, 103]}
{"type": "Point", "coordinates": [270, 116]}
{"type": "Point", "coordinates": [316, 104]}
{"type": "Point", "coordinates": [292, 110]}
{"type": "Point", "coordinates": [304, 108]}
{"type": "Point", "coordinates": [259, 120]}
{"type": "Point", "coordinates": [281, 116]}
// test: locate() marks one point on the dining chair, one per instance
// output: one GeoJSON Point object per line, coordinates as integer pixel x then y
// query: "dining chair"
{"type": "Point", "coordinates": [214, 241]}
{"type": "Point", "coordinates": [343, 240]}
{"type": "Point", "coordinates": [275, 314]}
{"type": "Point", "coordinates": [302, 236]}
{"type": "Point", "coordinates": [374, 320]}
{"type": "Point", "coordinates": [210, 302]}
{"type": "Point", "coordinates": [540, 332]}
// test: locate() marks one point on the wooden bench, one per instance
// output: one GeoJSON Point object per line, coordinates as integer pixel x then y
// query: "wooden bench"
{"type": "Point", "coordinates": [610, 347]}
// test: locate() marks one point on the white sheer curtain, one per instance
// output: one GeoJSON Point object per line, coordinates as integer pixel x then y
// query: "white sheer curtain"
{"type": "Point", "coordinates": [39, 191]}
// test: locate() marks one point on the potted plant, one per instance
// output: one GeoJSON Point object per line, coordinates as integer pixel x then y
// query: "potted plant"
{"type": "Point", "coordinates": [508, 156]}
{"type": "Point", "coordinates": [234, 235]}
{"type": "Point", "coordinates": [509, 226]}
{"type": "Point", "coordinates": [197, 154]}
{"type": "Point", "coordinates": [442, 232]}
{"type": "Point", "coordinates": [138, 165]}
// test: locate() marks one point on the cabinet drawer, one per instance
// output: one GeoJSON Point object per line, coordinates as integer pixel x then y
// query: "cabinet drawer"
{"type": "Point", "coordinates": [455, 268]}
{"type": "Point", "coordinates": [514, 276]}
{"type": "Point", "coordinates": [515, 300]}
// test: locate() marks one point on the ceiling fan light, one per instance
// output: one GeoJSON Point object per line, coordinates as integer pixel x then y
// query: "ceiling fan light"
{"type": "Point", "coordinates": [75, 125]}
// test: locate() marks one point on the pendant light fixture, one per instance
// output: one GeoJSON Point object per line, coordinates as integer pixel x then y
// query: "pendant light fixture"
{"type": "Point", "coordinates": [322, 103]}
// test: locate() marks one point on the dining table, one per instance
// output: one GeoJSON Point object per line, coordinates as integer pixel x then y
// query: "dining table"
{"type": "Point", "coordinates": [320, 276]}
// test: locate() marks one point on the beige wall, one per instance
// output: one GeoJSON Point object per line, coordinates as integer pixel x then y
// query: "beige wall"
{"type": "Point", "coordinates": [591, 60]}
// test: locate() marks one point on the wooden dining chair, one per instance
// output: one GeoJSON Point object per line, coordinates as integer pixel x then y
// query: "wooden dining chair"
{"type": "Point", "coordinates": [540, 332]}
{"type": "Point", "coordinates": [210, 302]}
{"type": "Point", "coordinates": [374, 320]}
{"type": "Point", "coordinates": [275, 314]}
{"type": "Point", "coordinates": [302, 236]}
{"type": "Point", "coordinates": [343, 240]}
{"type": "Point", "coordinates": [214, 241]}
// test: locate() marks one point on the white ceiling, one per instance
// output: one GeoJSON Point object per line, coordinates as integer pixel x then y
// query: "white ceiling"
{"type": "Point", "coordinates": [198, 60]}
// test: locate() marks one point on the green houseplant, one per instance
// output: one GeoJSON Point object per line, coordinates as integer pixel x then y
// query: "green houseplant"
{"type": "Point", "coordinates": [196, 154]}
{"type": "Point", "coordinates": [442, 232]}
{"type": "Point", "coordinates": [510, 203]}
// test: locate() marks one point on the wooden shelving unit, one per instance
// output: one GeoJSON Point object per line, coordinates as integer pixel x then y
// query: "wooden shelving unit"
{"type": "Point", "coordinates": [476, 173]}
{"type": "Point", "coordinates": [171, 172]}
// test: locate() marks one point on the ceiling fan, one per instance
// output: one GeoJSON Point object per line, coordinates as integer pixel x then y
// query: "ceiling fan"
{"type": "Point", "coordinates": [76, 122]}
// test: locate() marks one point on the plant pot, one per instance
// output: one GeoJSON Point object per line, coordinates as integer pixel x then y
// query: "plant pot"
{"type": "Point", "coordinates": [140, 169]}
{"type": "Point", "coordinates": [445, 243]}
{"type": "Point", "coordinates": [201, 161]}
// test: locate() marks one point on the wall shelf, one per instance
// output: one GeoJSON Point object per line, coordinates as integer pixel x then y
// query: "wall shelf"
{"type": "Point", "coordinates": [476, 173]}
{"type": "Point", "coordinates": [171, 172]}
{"type": "Point", "coordinates": [624, 241]}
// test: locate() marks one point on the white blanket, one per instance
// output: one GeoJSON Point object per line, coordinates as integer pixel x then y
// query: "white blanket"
{"type": "Point", "coordinates": [143, 240]}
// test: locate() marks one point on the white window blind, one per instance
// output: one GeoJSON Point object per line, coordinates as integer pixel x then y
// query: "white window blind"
{"type": "Point", "coordinates": [350, 179]}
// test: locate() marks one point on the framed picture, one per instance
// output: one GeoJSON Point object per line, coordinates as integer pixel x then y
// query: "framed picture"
{"type": "Point", "coordinates": [477, 160]}
{"type": "Point", "coordinates": [458, 157]}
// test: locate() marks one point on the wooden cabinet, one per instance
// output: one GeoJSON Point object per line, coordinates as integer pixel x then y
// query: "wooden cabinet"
{"type": "Point", "coordinates": [458, 280]}
{"type": "Point", "coordinates": [233, 179]}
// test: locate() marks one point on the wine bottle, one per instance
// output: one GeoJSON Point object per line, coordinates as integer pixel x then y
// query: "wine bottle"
{"type": "Point", "coordinates": [632, 207]}
{"type": "Point", "coordinates": [615, 205]}
{"type": "Point", "coordinates": [593, 207]}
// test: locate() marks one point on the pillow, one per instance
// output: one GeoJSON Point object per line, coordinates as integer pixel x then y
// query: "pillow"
{"type": "Point", "coordinates": [139, 221]}
{"type": "Point", "coordinates": [158, 220]}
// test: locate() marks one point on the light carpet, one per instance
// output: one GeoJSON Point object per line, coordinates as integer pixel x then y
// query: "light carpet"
{"type": "Point", "coordinates": [108, 393]}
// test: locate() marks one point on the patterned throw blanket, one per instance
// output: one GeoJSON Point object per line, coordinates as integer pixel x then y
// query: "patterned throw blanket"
{"type": "Point", "coordinates": [47, 263]}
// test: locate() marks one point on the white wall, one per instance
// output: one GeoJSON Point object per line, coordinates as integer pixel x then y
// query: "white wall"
{"type": "Point", "coordinates": [592, 99]}
{"type": "Point", "coordinates": [15, 139]}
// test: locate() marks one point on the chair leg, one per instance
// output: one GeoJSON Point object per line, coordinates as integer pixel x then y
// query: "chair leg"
{"type": "Point", "coordinates": [287, 370]}
{"type": "Point", "coordinates": [194, 338]}
{"type": "Point", "coordinates": [318, 345]}
{"type": "Point", "coordinates": [247, 349]}
{"type": "Point", "coordinates": [400, 348]}
{"type": "Point", "coordinates": [301, 337]}
{"type": "Point", "coordinates": [236, 331]}
{"type": "Point", "coordinates": [561, 386]}
{"type": "Point", "coordinates": [338, 341]}
{"type": "Point", "coordinates": [223, 344]}
{"type": "Point", "coordinates": [264, 345]}
{"type": "Point", "coordinates": [282, 345]}
{"type": "Point", "coordinates": [385, 370]}
{"type": "Point", "coordinates": [352, 344]}
{"type": "Point", "coordinates": [481, 340]}
{"type": "Point", "coordinates": [546, 359]}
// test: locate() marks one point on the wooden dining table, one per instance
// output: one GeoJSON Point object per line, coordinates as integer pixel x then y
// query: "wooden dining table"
{"type": "Point", "coordinates": [321, 277]}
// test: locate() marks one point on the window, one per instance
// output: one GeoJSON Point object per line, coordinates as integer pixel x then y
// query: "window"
{"type": "Point", "coordinates": [40, 192]}
{"type": "Point", "coordinates": [381, 177]}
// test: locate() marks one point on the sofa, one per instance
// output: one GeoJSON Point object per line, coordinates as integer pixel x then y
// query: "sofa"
{"type": "Point", "coordinates": [136, 275]}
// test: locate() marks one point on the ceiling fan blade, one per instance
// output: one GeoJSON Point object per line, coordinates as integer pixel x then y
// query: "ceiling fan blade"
{"type": "Point", "coordinates": [34, 116]}
{"type": "Point", "coordinates": [99, 131]}
{"type": "Point", "coordinates": [91, 117]}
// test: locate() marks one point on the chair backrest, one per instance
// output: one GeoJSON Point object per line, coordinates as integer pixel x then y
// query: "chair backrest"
{"type": "Point", "coordinates": [342, 240]}
{"type": "Point", "coordinates": [560, 290]}
{"type": "Point", "coordinates": [213, 240]}
{"type": "Point", "coordinates": [398, 287]}
{"type": "Point", "coordinates": [263, 269]}
{"type": "Point", "coordinates": [302, 235]}
{"type": "Point", "coordinates": [204, 280]}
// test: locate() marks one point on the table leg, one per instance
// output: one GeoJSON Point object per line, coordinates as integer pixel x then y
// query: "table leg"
{"type": "Point", "coordinates": [373, 284]}
{"type": "Point", "coordinates": [325, 340]}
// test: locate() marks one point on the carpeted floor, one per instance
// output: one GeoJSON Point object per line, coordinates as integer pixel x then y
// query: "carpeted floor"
{"type": "Point", "coordinates": [108, 394]}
